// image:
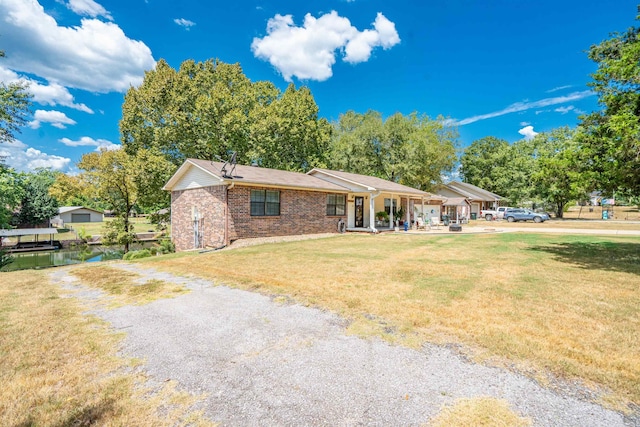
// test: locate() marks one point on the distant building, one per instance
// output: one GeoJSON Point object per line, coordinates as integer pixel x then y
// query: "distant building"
{"type": "Point", "coordinates": [477, 197]}
{"type": "Point", "coordinates": [73, 214]}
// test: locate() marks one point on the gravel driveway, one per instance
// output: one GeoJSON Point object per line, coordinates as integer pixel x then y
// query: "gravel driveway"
{"type": "Point", "coordinates": [261, 362]}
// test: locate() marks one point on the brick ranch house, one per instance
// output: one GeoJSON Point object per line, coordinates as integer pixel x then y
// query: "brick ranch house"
{"type": "Point", "coordinates": [211, 207]}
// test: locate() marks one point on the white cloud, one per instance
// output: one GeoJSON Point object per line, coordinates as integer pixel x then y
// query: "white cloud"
{"type": "Point", "coordinates": [184, 23]}
{"type": "Point", "coordinates": [384, 34]}
{"type": "Point", "coordinates": [564, 110]}
{"type": "Point", "coordinates": [55, 118]}
{"type": "Point", "coordinates": [89, 8]}
{"type": "Point", "coordinates": [309, 52]}
{"type": "Point", "coordinates": [555, 89]}
{"type": "Point", "coordinates": [23, 158]}
{"type": "Point", "coordinates": [528, 132]}
{"type": "Point", "coordinates": [523, 106]}
{"type": "Point", "coordinates": [52, 94]}
{"type": "Point", "coordinates": [524, 123]}
{"type": "Point", "coordinates": [87, 141]}
{"type": "Point", "coordinates": [96, 56]}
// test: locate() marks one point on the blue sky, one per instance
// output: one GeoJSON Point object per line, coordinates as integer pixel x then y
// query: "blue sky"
{"type": "Point", "coordinates": [506, 68]}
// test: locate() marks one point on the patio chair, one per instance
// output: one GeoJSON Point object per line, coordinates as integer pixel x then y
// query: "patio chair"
{"type": "Point", "coordinates": [420, 224]}
{"type": "Point", "coordinates": [435, 223]}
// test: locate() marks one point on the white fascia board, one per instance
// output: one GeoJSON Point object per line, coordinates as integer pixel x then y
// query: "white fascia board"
{"type": "Point", "coordinates": [182, 170]}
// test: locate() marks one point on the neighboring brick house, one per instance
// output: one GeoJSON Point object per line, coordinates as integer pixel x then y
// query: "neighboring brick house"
{"type": "Point", "coordinates": [212, 206]}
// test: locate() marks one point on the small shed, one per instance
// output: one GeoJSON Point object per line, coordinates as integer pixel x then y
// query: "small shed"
{"type": "Point", "coordinates": [71, 214]}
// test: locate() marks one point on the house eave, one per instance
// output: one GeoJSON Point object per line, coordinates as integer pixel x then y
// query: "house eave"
{"type": "Point", "coordinates": [182, 170]}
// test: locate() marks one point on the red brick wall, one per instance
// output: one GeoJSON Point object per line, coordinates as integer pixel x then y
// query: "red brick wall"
{"type": "Point", "coordinates": [301, 212]}
{"type": "Point", "coordinates": [210, 203]}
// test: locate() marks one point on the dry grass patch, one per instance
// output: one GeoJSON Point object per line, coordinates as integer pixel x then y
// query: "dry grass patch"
{"type": "Point", "coordinates": [59, 367]}
{"type": "Point", "coordinates": [565, 305]}
{"type": "Point", "coordinates": [124, 287]}
{"type": "Point", "coordinates": [479, 412]}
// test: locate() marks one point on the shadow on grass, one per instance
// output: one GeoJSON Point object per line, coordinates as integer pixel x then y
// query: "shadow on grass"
{"type": "Point", "coordinates": [608, 256]}
{"type": "Point", "coordinates": [85, 416]}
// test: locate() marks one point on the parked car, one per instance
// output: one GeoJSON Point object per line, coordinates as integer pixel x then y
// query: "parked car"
{"type": "Point", "coordinates": [498, 213]}
{"type": "Point", "coordinates": [514, 215]}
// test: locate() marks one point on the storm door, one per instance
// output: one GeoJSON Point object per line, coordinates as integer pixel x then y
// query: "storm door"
{"type": "Point", "coordinates": [359, 211]}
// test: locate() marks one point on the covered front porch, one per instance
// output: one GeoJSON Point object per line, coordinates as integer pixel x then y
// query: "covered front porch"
{"type": "Point", "coordinates": [383, 211]}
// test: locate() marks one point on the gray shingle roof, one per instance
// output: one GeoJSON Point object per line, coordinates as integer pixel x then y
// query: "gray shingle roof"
{"type": "Point", "coordinates": [473, 192]}
{"type": "Point", "coordinates": [373, 182]}
{"type": "Point", "coordinates": [265, 176]}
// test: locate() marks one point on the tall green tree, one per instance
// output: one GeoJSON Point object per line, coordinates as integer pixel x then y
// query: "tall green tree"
{"type": "Point", "coordinates": [486, 163]}
{"type": "Point", "coordinates": [70, 190]}
{"type": "Point", "coordinates": [11, 192]}
{"type": "Point", "coordinates": [36, 205]}
{"type": "Point", "coordinates": [431, 151]}
{"type": "Point", "coordinates": [610, 144]}
{"type": "Point", "coordinates": [559, 178]}
{"type": "Point", "coordinates": [522, 166]}
{"type": "Point", "coordinates": [412, 150]}
{"type": "Point", "coordinates": [288, 134]}
{"type": "Point", "coordinates": [502, 168]}
{"type": "Point", "coordinates": [14, 108]}
{"type": "Point", "coordinates": [122, 181]}
{"type": "Point", "coordinates": [209, 109]}
{"type": "Point", "coordinates": [356, 144]}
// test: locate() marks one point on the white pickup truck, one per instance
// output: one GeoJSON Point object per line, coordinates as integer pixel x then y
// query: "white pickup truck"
{"type": "Point", "coordinates": [494, 214]}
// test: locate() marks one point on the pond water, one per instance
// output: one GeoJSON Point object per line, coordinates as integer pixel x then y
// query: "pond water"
{"type": "Point", "coordinates": [77, 255]}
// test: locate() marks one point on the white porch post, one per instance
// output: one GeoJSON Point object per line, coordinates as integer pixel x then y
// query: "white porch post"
{"type": "Point", "coordinates": [372, 214]}
{"type": "Point", "coordinates": [408, 216]}
{"type": "Point", "coordinates": [392, 220]}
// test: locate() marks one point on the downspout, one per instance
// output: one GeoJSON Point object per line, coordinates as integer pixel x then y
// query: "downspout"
{"type": "Point", "coordinates": [372, 214]}
{"type": "Point", "coordinates": [226, 214]}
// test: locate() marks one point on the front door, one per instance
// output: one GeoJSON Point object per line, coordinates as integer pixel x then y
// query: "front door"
{"type": "Point", "coordinates": [359, 211]}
